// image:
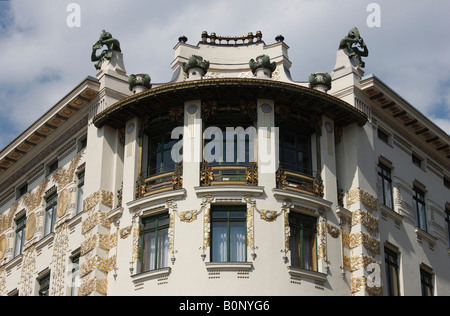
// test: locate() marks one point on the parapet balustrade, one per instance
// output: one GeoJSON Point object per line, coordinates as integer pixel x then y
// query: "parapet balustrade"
{"type": "Point", "coordinates": [235, 40]}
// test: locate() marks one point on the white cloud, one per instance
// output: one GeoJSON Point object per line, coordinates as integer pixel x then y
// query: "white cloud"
{"type": "Point", "coordinates": [409, 52]}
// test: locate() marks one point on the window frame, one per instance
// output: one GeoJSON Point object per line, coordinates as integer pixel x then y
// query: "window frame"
{"type": "Point", "coordinates": [419, 200]}
{"type": "Point", "coordinates": [424, 285]}
{"type": "Point", "coordinates": [298, 149]}
{"type": "Point", "coordinates": [229, 219]}
{"type": "Point", "coordinates": [447, 220]}
{"type": "Point", "coordinates": [21, 224]}
{"type": "Point", "coordinates": [155, 230]}
{"type": "Point", "coordinates": [302, 229]}
{"type": "Point", "coordinates": [80, 188]}
{"type": "Point", "coordinates": [385, 174]}
{"type": "Point", "coordinates": [391, 287]}
{"type": "Point", "coordinates": [44, 289]}
{"type": "Point", "coordinates": [75, 279]}
{"type": "Point", "coordinates": [51, 204]}
{"type": "Point", "coordinates": [161, 153]}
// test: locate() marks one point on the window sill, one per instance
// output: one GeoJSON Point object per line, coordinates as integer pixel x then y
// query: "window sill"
{"type": "Point", "coordinates": [156, 198]}
{"type": "Point", "coordinates": [229, 190]}
{"type": "Point", "coordinates": [391, 213]}
{"type": "Point", "coordinates": [423, 235]}
{"type": "Point", "coordinates": [308, 274]}
{"type": "Point", "coordinates": [229, 266]}
{"type": "Point", "coordinates": [149, 275]}
{"type": "Point", "coordinates": [303, 198]}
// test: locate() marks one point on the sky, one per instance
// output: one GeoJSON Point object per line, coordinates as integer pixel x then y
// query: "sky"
{"type": "Point", "coordinates": [43, 57]}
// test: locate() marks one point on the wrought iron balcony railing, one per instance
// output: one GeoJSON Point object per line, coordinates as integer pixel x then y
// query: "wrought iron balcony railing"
{"type": "Point", "coordinates": [228, 174]}
{"type": "Point", "coordinates": [296, 181]}
{"type": "Point", "coordinates": [167, 181]}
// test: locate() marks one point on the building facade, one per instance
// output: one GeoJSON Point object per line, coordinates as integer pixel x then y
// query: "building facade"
{"type": "Point", "coordinates": [231, 179]}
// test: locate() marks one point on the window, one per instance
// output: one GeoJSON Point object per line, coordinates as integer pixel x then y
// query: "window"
{"type": "Point", "coordinates": [447, 220]}
{"type": "Point", "coordinates": [295, 152]}
{"type": "Point", "coordinates": [20, 236]}
{"type": "Point", "coordinates": [230, 145]}
{"type": "Point", "coordinates": [160, 157]}
{"type": "Point", "coordinates": [80, 192]}
{"type": "Point", "coordinates": [419, 204]}
{"type": "Point", "coordinates": [75, 275]}
{"type": "Point", "coordinates": [391, 260]}
{"type": "Point", "coordinates": [426, 281]}
{"type": "Point", "coordinates": [416, 160]}
{"type": "Point", "coordinates": [229, 234]}
{"type": "Point", "coordinates": [447, 183]}
{"type": "Point", "coordinates": [155, 243]}
{"type": "Point", "coordinates": [50, 214]}
{"type": "Point", "coordinates": [22, 190]}
{"type": "Point", "coordinates": [302, 242]}
{"type": "Point", "coordinates": [44, 285]}
{"type": "Point", "coordinates": [82, 143]}
{"type": "Point", "coordinates": [383, 136]}
{"type": "Point", "coordinates": [384, 175]}
{"type": "Point", "coordinates": [52, 167]}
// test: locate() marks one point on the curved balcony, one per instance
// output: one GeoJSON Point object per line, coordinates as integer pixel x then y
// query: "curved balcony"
{"type": "Point", "coordinates": [296, 181]}
{"type": "Point", "coordinates": [211, 175]}
{"type": "Point", "coordinates": [167, 181]}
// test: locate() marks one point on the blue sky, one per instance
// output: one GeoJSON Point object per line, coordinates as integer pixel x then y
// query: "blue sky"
{"type": "Point", "coordinates": [42, 59]}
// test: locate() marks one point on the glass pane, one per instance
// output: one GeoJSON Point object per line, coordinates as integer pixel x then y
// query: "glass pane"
{"type": "Point", "coordinates": [388, 194]}
{"type": "Point", "coordinates": [394, 275]}
{"type": "Point", "coordinates": [238, 214]}
{"type": "Point", "coordinates": [237, 242]}
{"type": "Point", "coordinates": [18, 247]}
{"type": "Point", "coordinates": [304, 144]}
{"type": "Point", "coordinates": [295, 220]}
{"type": "Point", "coordinates": [219, 242]}
{"type": "Point", "coordinates": [148, 254]}
{"type": "Point", "coordinates": [288, 140]}
{"type": "Point", "coordinates": [422, 217]}
{"type": "Point", "coordinates": [288, 159]}
{"type": "Point", "coordinates": [155, 144]}
{"type": "Point", "coordinates": [163, 247]}
{"type": "Point", "coordinates": [310, 224]}
{"type": "Point", "coordinates": [80, 199]}
{"type": "Point", "coordinates": [163, 222]}
{"type": "Point", "coordinates": [168, 163]}
{"type": "Point", "coordinates": [150, 225]}
{"type": "Point", "coordinates": [219, 214]}
{"type": "Point", "coordinates": [48, 221]}
{"type": "Point", "coordinates": [294, 245]}
{"type": "Point", "coordinates": [309, 249]}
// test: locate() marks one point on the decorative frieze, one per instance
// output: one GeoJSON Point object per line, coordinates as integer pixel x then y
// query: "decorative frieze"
{"type": "Point", "coordinates": [359, 195]}
{"type": "Point", "coordinates": [64, 176]}
{"type": "Point", "coordinates": [369, 221]}
{"type": "Point", "coordinates": [29, 271]}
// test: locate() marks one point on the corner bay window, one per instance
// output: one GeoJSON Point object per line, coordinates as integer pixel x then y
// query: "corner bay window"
{"type": "Point", "coordinates": [159, 154]}
{"type": "Point", "coordinates": [229, 234]}
{"type": "Point", "coordinates": [295, 152]}
{"type": "Point", "coordinates": [155, 242]}
{"type": "Point", "coordinates": [303, 241]}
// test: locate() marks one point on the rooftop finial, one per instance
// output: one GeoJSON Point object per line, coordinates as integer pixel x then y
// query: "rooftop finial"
{"type": "Point", "coordinates": [354, 46]}
{"type": "Point", "coordinates": [111, 44]}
